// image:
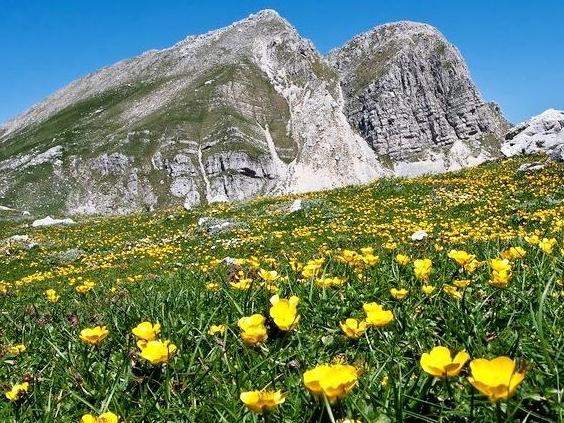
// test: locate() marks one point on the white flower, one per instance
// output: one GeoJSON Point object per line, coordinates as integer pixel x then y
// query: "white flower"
{"type": "Point", "coordinates": [418, 235]}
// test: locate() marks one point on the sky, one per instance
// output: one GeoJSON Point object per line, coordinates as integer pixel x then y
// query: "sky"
{"type": "Point", "coordinates": [513, 48]}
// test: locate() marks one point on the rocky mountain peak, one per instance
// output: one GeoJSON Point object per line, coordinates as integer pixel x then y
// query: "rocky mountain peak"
{"type": "Point", "coordinates": [247, 110]}
{"type": "Point", "coordinates": [408, 92]}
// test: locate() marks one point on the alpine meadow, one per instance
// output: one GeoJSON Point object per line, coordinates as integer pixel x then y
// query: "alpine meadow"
{"type": "Point", "coordinates": [240, 229]}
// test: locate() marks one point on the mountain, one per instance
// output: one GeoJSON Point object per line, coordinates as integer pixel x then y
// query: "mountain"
{"type": "Point", "coordinates": [540, 134]}
{"type": "Point", "coordinates": [247, 110]}
{"type": "Point", "coordinates": [409, 94]}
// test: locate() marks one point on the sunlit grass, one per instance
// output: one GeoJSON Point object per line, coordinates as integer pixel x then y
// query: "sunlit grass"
{"type": "Point", "coordinates": [165, 268]}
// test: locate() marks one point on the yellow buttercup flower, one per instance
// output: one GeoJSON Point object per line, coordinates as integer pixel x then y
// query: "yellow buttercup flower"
{"type": "Point", "coordinates": [52, 295]}
{"type": "Point", "coordinates": [369, 259]}
{"type": "Point", "coordinates": [402, 259]}
{"type": "Point", "coordinates": [428, 289]}
{"type": "Point", "coordinates": [242, 284]}
{"type": "Point", "coordinates": [422, 268]}
{"type": "Point", "coordinates": [533, 239]}
{"type": "Point", "coordinates": [353, 328]}
{"type": "Point", "coordinates": [268, 275]}
{"type": "Point", "coordinates": [17, 391]}
{"type": "Point", "coordinates": [547, 245]}
{"type": "Point", "coordinates": [107, 417]}
{"type": "Point", "coordinates": [87, 286]}
{"type": "Point", "coordinates": [390, 245]}
{"type": "Point", "coordinates": [513, 253]}
{"type": "Point", "coordinates": [253, 330]}
{"type": "Point", "coordinates": [147, 331]}
{"type": "Point", "coordinates": [452, 291]}
{"type": "Point", "coordinates": [329, 282]}
{"type": "Point", "coordinates": [94, 336]}
{"type": "Point", "coordinates": [17, 349]}
{"type": "Point", "coordinates": [216, 330]}
{"type": "Point", "coordinates": [332, 380]}
{"type": "Point", "coordinates": [461, 257]}
{"type": "Point", "coordinates": [461, 283]}
{"type": "Point", "coordinates": [284, 312]}
{"type": "Point", "coordinates": [376, 315]}
{"type": "Point", "coordinates": [157, 352]}
{"type": "Point", "coordinates": [259, 401]}
{"type": "Point", "coordinates": [501, 272]}
{"type": "Point", "coordinates": [496, 378]}
{"type": "Point", "coordinates": [399, 294]}
{"type": "Point", "coordinates": [212, 286]}
{"type": "Point", "coordinates": [439, 362]}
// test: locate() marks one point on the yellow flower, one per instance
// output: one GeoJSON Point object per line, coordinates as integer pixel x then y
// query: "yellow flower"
{"type": "Point", "coordinates": [17, 349]}
{"type": "Point", "coordinates": [329, 282]}
{"type": "Point", "coordinates": [212, 286]}
{"type": "Point", "coordinates": [422, 268]}
{"type": "Point", "coordinates": [547, 245]}
{"type": "Point", "coordinates": [243, 284]}
{"type": "Point", "coordinates": [501, 272]}
{"type": "Point", "coordinates": [390, 245]}
{"type": "Point", "coordinates": [472, 266]}
{"type": "Point", "coordinates": [312, 268]}
{"type": "Point", "coordinates": [52, 295]}
{"type": "Point", "coordinates": [259, 401]}
{"type": "Point", "coordinates": [439, 362]}
{"type": "Point", "coordinates": [496, 378]}
{"type": "Point", "coordinates": [284, 312]}
{"type": "Point", "coordinates": [157, 352]}
{"type": "Point", "coordinates": [348, 257]}
{"type": "Point", "coordinates": [85, 287]}
{"type": "Point", "coordinates": [369, 259]}
{"type": "Point", "coordinates": [216, 330]}
{"type": "Point", "coordinates": [376, 316]}
{"type": "Point", "coordinates": [332, 380]}
{"type": "Point", "coordinates": [107, 417]}
{"type": "Point", "coordinates": [399, 294]}
{"type": "Point", "coordinates": [461, 257]}
{"type": "Point", "coordinates": [253, 330]}
{"type": "Point", "coordinates": [268, 275]}
{"type": "Point", "coordinates": [17, 391]}
{"type": "Point", "coordinates": [452, 291]}
{"type": "Point", "coordinates": [353, 328]}
{"type": "Point", "coordinates": [146, 331]}
{"type": "Point", "coordinates": [253, 262]}
{"type": "Point", "coordinates": [513, 253]}
{"type": "Point", "coordinates": [402, 259]}
{"type": "Point", "coordinates": [461, 283]}
{"type": "Point", "coordinates": [95, 335]}
{"type": "Point", "coordinates": [428, 289]}
{"type": "Point", "coordinates": [533, 239]}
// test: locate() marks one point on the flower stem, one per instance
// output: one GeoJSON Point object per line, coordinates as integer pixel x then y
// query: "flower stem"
{"type": "Point", "coordinates": [328, 408]}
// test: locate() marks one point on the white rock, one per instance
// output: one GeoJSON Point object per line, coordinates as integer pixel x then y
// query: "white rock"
{"type": "Point", "coordinates": [296, 206]}
{"type": "Point", "coordinates": [419, 235]}
{"type": "Point", "coordinates": [540, 134]}
{"type": "Point", "coordinates": [49, 221]}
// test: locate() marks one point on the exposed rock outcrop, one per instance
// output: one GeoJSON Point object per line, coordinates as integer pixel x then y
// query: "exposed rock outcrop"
{"type": "Point", "coordinates": [540, 134]}
{"type": "Point", "coordinates": [409, 94]}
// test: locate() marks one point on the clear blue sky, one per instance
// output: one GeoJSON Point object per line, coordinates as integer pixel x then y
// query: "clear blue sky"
{"type": "Point", "coordinates": [514, 48]}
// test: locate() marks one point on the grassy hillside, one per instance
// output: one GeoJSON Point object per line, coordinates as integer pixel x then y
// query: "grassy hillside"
{"type": "Point", "coordinates": [336, 254]}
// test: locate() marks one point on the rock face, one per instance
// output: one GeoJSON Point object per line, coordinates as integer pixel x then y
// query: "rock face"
{"type": "Point", "coordinates": [247, 110]}
{"type": "Point", "coordinates": [541, 134]}
{"type": "Point", "coordinates": [408, 93]}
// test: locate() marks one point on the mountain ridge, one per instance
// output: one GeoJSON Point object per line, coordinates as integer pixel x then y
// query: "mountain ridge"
{"type": "Point", "coordinates": [249, 109]}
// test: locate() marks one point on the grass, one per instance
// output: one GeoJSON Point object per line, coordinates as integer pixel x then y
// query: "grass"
{"type": "Point", "coordinates": [157, 267]}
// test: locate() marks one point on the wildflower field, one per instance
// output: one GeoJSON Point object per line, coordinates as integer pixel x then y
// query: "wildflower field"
{"type": "Point", "coordinates": [435, 299]}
